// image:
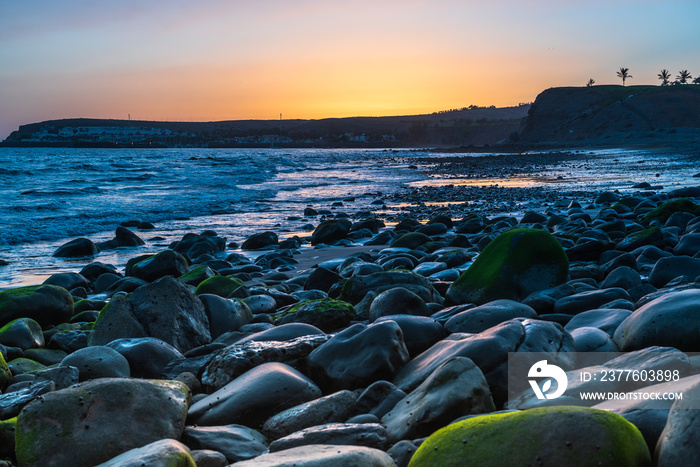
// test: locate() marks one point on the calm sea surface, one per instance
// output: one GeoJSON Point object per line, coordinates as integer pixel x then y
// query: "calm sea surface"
{"type": "Point", "coordinates": [49, 196]}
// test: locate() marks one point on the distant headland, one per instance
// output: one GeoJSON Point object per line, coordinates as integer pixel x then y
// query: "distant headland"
{"type": "Point", "coordinates": [598, 116]}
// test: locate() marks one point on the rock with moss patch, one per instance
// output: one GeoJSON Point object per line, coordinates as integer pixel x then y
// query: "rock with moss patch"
{"type": "Point", "coordinates": [513, 265]}
{"type": "Point", "coordinates": [651, 236]}
{"type": "Point", "coordinates": [90, 423]}
{"type": "Point", "coordinates": [24, 333]}
{"type": "Point", "coordinates": [163, 453]}
{"type": "Point", "coordinates": [197, 275]}
{"type": "Point", "coordinates": [223, 286]}
{"type": "Point", "coordinates": [572, 436]}
{"type": "Point", "coordinates": [664, 211]}
{"type": "Point", "coordinates": [5, 373]}
{"type": "Point", "coordinates": [326, 314]}
{"type": "Point", "coordinates": [45, 304]}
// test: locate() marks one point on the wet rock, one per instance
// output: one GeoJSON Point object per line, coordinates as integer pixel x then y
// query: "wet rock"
{"type": "Point", "coordinates": [372, 435]}
{"type": "Point", "coordinates": [488, 315]}
{"type": "Point", "coordinates": [99, 419]}
{"type": "Point", "coordinates": [334, 408]}
{"type": "Point", "coordinates": [147, 356]}
{"type": "Point", "coordinates": [514, 265]}
{"type": "Point", "coordinates": [379, 398]}
{"type": "Point", "coordinates": [320, 455]}
{"type": "Point", "coordinates": [455, 388]}
{"type": "Point", "coordinates": [651, 236]}
{"type": "Point", "coordinates": [261, 304]}
{"type": "Point", "coordinates": [331, 231]}
{"type": "Point", "coordinates": [236, 442]}
{"type": "Point", "coordinates": [237, 359]}
{"type": "Point", "coordinates": [163, 453]}
{"type": "Point", "coordinates": [679, 443]}
{"type": "Point", "coordinates": [197, 275]}
{"type": "Point", "coordinates": [411, 240]}
{"type": "Point", "coordinates": [223, 286]}
{"type": "Point", "coordinates": [95, 269]}
{"type": "Point", "coordinates": [589, 300]}
{"type": "Point", "coordinates": [667, 269]}
{"type": "Point", "coordinates": [589, 339]}
{"type": "Point", "coordinates": [355, 288]}
{"type": "Point", "coordinates": [45, 304]}
{"type": "Point", "coordinates": [78, 248]}
{"type": "Point", "coordinates": [606, 320]}
{"type": "Point", "coordinates": [165, 263]}
{"type": "Point", "coordinates": [24, 333]}
{"type": "Point", "coordinates": [254, 397]}
{"type": "Point", "coordinates": [260, 240]}
{"type": "Point", "coordinates": [397, 301]}
{"type": "Point", "coordinates": [327, 314]}
{"type": "Point", "coordinates": [358, 356]}
{"type": "Point", "coordinates": [419, 332]}
{"type": "Point", "coordinates": [670, 320]}
{"type": "Point", "coordinates": [552, 434]}
{"type": "Point", "coordinates": [224, 315]}
{"type": "Point", "coordinates": [322, 279]}
{"type": "Point", "coordinates": [98, 362]}
{"type": "Point", "coordinates": [68, 280]}
{"type": "Point", "coordinates": [11, 403]}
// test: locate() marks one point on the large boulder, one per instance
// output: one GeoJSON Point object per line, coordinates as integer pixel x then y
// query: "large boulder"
{"type": "Point", "coordinates": [679, 443]}
{"type": "Point", "coordinates": [670, 321]}
{"type": "Point", "coordinates": [456, 388]}
{"type": "Point", "coordinates": [45, 304]}
{"type": "Point", "coordinates": [165, 309]}
{"type": "Point", "coordinates": [254, 397]}
{"type": "Point", "coordinates": [571, 436]}
{"type": "Point", "coordinates": [358, 356]}
{"type": "Point", "coordinates": [90, 423]}
{"type": "Point", "coordinates": [260, 240]}
{"type": "Point", "coordinates": [512, 266]}
{"type": "Point", "coordinates": [78, 248]}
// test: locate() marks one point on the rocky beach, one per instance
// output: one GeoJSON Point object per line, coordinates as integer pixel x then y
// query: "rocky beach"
{"type": "Point", "coordinates": [380, 337]}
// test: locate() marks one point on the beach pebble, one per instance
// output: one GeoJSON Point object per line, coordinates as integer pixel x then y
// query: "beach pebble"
{"type": "Point", "coordinates": [98, 362]}
{"type": "Point", "coordinates": [455, 388]}
{"type": "Point", "coordinates": [670, 320]}
{"type": "Point", "coordinates": [606, 320]}
{"type": "Point", "coordinates": [147, 356]}
{"type": "Point", "coordinates": [78, 248]}
{"type": "Point", "coordinates": [163, 453]}
{"type": "Point", "coordinates": [330, 231]}
{"type": "Point", "coordinates": [333, 408]}
{"type": "Point", "coordinates": [68, 280]}
{"type": "Point", "coordinates": [316, 455]}
{"type": "Point", "coordinates": [321, 279]}
{"type": "Point", "coordinates": [679, 443]}
{"type": "Point", "coordinates": [372, 435]}
{"type": "Point", "coordinates": [397, 300]}
{"type": "Point", "coordinates": [254, 397]}
{"type": "Point", "coordinates": [235, 442]}
{"type": "Point", "coordinates": [98, 420]}
{"type": "Point", "coordinates": [488, 315]}
{"type": "Point", "coordinates": [623, 277]}
{"type": "Point", "coordinates": [225, 315]}
{"type": "Point", "coordinates": [667, 269]}
{"type": "Point", "coordinates": [259, 241]}
{"type": "Point", "coordinates": [356, 287]}
{"type": "Point", "coordinates": [95, 269]}
{"type": "Point", "coordinates": [24, 333]}
{"type": "Point", "coordinates": [419, 332]}
{"type": "Point", "coordinates": [358, 355]}
{"type": "Point", "coordinates": [410, 240]}
{"type": "Point", "coordinates": [208, 458]}
{"type": "Point", "coordinates": [590, 339]}
{"type": "Point", "coordinates": [327, 314]}
{"type": "Point", "coordinates": [589, 300]}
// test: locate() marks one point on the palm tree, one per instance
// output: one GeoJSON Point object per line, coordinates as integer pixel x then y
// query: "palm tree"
{"type": "Point", "coordinates": [590, 82]}
{"type": "Point", "coordinates": [624, 74]}
{"type": "Point", "coordinates": [664, 76]}
{"type": "Point", "coordinates": [683, 76]}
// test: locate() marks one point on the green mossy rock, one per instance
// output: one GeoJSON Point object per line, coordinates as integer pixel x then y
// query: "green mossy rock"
{"type": "Point", "coordinates": [222, 286]}
{"type": "Point", "coordinates": [571, 436]}
{"type": "Point", "coordinates": [5, 373]}
{"type": "Point", "coordinates": [667, 209]}
{"type": "Point", "coordinates": [21, 365]}
{"type": "Point", "coordinates": [197, 275]}
{"type": "Point", "coordinates": [45, 304]}
{"type": "Point", "coordinates": [650, 236]}
{"type": "Point", "coordinates": [7, 437]}
{"type": "Point", "coordinates": [326, 314]}
{"type": "Point", "coordinates": [24, 333]}
{"type": "Point", "coordinates": [163, 453]}
{"type": "Point", "coordinates": [88, 305]}
{"type": "Point", "coordinates": [512, 266]}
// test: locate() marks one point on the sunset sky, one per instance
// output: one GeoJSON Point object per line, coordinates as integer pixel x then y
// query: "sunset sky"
{"type": "Point", "coordinates": [230, 59]}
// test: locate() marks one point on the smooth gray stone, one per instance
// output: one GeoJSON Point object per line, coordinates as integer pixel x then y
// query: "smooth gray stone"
{"type": "Point", "coordinates": [236, 442]}
{"type": "Point", "coordinates": [397, 301]}
{"type": "Point", "coordinates": [585, 301]}
{"type": "Point", "coordinates": [371, 435]}
{"type": "Point", "coordinates": [679, 443]}
{"type": "Point", "coordinates": [162, 453]}
{"type": "Point", "coordinates": [419, 332]}
{"type": "Point", "coordinates": [147, 356]}
{"type": "Point", "coordinates": [98, 362]}
{"type": "Point", "coordinates": [490, 314]}
{"type": "Point", "coordinates": [605, 319]}
{"type": "Point", "coordinates": [320, 455]}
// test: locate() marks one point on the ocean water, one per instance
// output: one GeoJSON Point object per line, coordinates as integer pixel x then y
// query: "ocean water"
{"type": "Point", "coordinates": [49, 196]}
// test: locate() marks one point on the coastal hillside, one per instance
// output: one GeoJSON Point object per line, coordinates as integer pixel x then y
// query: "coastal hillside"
{"type": "Point", "coordinates": [600, 114]}
{"type": "Point", "coordinates": [471, 125]}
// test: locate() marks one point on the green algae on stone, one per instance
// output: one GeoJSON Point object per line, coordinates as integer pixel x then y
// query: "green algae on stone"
{"type": "Point", "coordinates": [512, 266]}
{"type": "Point", "coordinates": [5, 373]}
{"type": "Point", "coordinates": [45, 304]}
{"type": "Point", "coordinates": [23, 365]}
{"type": "Point", "coordinates": [667, 209]}
{"type": "Point", "coordinates": [571, 436]}
{"type": "Point", "coordinates": [650, 236]}
{"type": "Point", "coordinates": [88, 305]}
{"type": "Point", "coordinates": [7, 437]}
{"type": "Point", "coordinates": [197, 275]}
{"type": "Point", "coordinates": [223, 286]}
{"type": "Point", "coordinates": [326, 314]}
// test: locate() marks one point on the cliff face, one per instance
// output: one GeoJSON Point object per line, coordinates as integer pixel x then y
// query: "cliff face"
{"type": "Point", "coordinates": [594, 114]}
